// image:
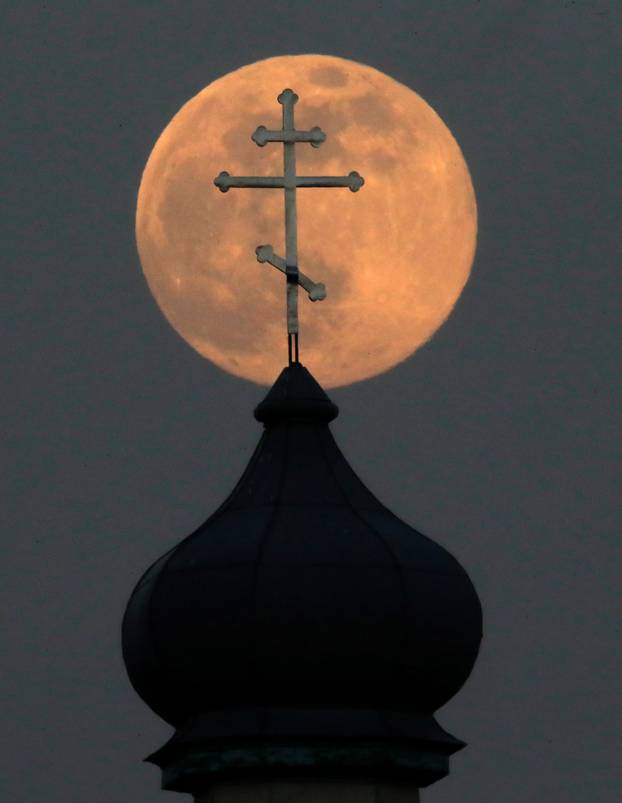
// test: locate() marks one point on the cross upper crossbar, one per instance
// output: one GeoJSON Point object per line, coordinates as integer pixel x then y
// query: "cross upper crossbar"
{"type": "Point", "coordinates": [289, 182]}
{"type": "Point", "coordinates": [262, 135]}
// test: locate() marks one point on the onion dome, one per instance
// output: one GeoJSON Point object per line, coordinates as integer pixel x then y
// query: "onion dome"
{"type": "Point", "coordinates": [303, 630]}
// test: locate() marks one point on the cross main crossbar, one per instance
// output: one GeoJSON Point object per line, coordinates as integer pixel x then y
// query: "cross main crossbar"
{"type": "Point", "coordinates": [225, 182]}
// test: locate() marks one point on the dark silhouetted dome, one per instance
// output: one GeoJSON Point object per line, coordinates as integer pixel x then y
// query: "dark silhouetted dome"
{"type": "Point", "coordinates": [302, 609]}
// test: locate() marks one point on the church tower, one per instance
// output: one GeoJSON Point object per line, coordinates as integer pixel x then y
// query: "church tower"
{"type": "Point", "coordinates": [301, 639]}
{"type": "Point", "coordinates": [303, 634]}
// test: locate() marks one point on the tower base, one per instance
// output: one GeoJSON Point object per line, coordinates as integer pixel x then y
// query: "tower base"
{"type": "Point", "coordinates": [311, 792]}
{"type": "Point", "coordinates": [340, 750]}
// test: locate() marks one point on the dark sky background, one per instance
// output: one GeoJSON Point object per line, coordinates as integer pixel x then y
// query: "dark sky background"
{"type": "Point", "coordinates": [500, 439]}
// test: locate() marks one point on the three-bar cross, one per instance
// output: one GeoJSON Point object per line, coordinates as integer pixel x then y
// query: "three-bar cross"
{"type": "Point", "coordinates": [289, 181]}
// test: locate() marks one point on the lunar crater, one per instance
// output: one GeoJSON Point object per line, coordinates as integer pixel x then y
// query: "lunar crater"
{"type": "Point", "coordinates": [328, 76]}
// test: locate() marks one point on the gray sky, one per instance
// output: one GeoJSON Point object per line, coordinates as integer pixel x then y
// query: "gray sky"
{"type": "Point", "coordinates": [500, 439]}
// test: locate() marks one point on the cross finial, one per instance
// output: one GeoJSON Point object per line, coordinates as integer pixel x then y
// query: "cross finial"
{"type": "Point", "coordinates": [289, 182]}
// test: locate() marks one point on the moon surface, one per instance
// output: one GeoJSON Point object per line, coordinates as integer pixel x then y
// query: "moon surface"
{"type": "Point", "coordinates": [394, 256]}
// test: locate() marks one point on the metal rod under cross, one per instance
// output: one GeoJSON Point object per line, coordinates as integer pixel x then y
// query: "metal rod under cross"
{"type": "Point", "coordinates": [289, 182]}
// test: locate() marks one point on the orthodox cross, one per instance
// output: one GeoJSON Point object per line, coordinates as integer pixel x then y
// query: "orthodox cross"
{"type": "Point", "coordinates": [289, 181]}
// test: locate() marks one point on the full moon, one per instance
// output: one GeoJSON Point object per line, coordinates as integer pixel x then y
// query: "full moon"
{"type": "Point", "coordinates": [394, 256]}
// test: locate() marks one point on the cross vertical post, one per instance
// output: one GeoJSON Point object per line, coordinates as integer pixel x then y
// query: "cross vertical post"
{"type": "Point", "coordinates": [288, 99]}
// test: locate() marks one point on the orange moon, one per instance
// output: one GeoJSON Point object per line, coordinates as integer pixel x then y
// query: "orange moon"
{"type": "Point", "coordinates": [394, 256]}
